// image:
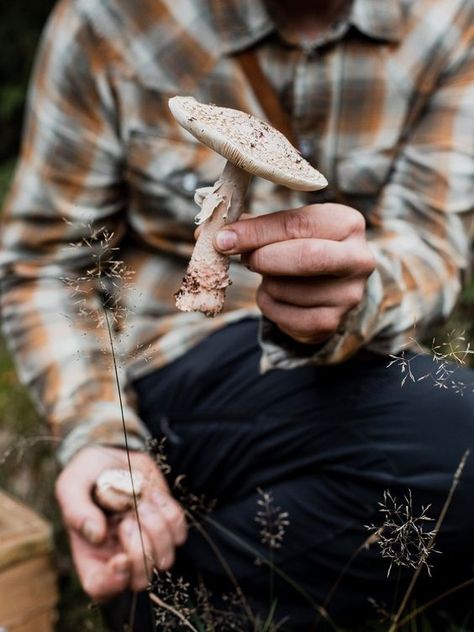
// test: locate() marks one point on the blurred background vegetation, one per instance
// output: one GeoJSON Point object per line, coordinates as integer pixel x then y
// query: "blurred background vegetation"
{"type": "Point", "coordinates": [27, 464]}
{"type": "Point", "coordinates": [28, 470]}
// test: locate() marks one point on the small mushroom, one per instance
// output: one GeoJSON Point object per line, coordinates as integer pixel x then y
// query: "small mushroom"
{"type": "Point", "coordinates": [250, 146]}
{"type": "Point", "coordinates": [114, 490]}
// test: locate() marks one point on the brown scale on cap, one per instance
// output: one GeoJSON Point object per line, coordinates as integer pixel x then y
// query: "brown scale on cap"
{"type": "Point", "coordinates": [251, 147]}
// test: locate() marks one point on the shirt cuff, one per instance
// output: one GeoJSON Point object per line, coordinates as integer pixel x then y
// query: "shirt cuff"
{"type": "Point", "coordinates": [103, 425]}
{"type": "Point", "coordinates": [280, 351]}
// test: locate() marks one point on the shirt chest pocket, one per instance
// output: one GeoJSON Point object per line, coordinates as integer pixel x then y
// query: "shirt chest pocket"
{"type": "Point", "coordinates": [362, 174]}
{"type": "Point", "coordinates": [163, 173]}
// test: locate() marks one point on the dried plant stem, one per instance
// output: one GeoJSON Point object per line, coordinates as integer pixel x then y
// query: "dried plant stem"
{"type": "Point", "coordinates": [129, 464]}
{"type": "Point", "coordinates": [457, 475]}
{"type": "Point", "coordinates": [367, 542]}
{"type": "Point", "coordinates": [430, 603]}
{"type": "Point", "coordinates": [225, 566]}
{"type": "Point", "coordinates": [174, 611]}
{"type": "Point", "coordinates": [276, 570]}
{"type": "Point", "coordinates": [125, 435]}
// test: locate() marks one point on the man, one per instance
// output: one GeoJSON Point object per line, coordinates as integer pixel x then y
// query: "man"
{"type": "Point", "coordinates": [379, 97]}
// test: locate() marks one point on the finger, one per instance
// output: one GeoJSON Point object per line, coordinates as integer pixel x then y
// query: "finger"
{"type": "Point", "coordinates": [308, 257]}
{"type": "Point", "coordinates": [79, 511]}
{"type": "Point", "coordinates": [102, 571]}
{"type": "Point", "coordinates": [159, 535]}
{"type": "Point", "coordinates": [173, 514]}
{"type": "Point", "coordinates": [321, 221]}
{"type": "Point", "coordinates": [313, 291]}
{"type": "Point", "coordinates": [304, 324]}
{"type": "Point", "coordinates": [138, 547]}
{"type": "Point", "coordinates": [197, 231]}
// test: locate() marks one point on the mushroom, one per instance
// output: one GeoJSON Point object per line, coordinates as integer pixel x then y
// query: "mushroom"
{"type": "Point", "coordinates": [250, 146]}
{"type": "Point", "coordinates": [114, 490]}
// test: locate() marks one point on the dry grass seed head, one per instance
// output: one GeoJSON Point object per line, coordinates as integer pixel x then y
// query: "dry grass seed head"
{"type": "Point", "coordinates": [271, 519]}
{"type": "Point", "coordinates": [404, 537]}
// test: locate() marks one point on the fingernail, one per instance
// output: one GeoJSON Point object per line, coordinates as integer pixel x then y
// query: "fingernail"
{"type": "Point", "coordinates": [92, 532]}
{"type": "Point", "coordinates": [226, 239]}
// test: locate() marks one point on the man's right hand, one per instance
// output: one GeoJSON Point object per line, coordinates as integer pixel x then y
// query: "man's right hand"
{"type": "Point", "coordinates": [108, 554]}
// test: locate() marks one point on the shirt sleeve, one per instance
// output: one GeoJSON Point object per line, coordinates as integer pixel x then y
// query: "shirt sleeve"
{"type": "Point", "coordinates": [419, 234]}
{"type": "Point", "coordinates": [63, 217]}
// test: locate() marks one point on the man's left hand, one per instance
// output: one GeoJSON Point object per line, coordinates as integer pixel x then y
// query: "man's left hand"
{"type": "Point", "coordinates": [314, 263]}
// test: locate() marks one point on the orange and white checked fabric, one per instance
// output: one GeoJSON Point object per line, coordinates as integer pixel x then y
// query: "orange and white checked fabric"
{"type": "Point", "coordinates": [382, 104]}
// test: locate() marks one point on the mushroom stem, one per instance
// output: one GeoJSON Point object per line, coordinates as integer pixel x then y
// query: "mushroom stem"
{"type": "Point", "coordinates": [204, 285]}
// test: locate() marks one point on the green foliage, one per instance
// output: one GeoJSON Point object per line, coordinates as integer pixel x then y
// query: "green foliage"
{"type": "Point", "coordinates": [6, 172]}
{"type": "Point", "coordinates": [20, 28]}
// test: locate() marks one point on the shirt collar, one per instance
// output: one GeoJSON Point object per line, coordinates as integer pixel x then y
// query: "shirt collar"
{"type": "Point", "coordinates": [242, 23]}
{"type": "Point", "coordinates": [377, 19]}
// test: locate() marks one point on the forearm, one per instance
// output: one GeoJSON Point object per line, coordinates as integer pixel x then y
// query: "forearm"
{"type": "Point", "coordinates": [63, 352]}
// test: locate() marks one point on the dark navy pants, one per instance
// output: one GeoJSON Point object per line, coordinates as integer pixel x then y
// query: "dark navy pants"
{"type": "Point", "coordinates": [326, 442]}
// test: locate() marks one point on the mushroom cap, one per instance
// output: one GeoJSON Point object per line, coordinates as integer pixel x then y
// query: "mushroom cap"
{"type": "Point", "coordinates": [247, 142]}
{"type": "Point", "coordinates": [114, 489]}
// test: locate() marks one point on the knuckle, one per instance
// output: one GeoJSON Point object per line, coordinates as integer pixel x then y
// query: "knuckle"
{"type": "Point", "coordinates": [309, 258]}
{"type": "Point", "coordinates": [297, 224]}
{"type": "Point", "coordinates": [356, 222]}
{"type": "Point", "coordinates": [173, 514]}
{"type": "Point", "coordinates": [354, 294]}
{"type": "Point", "coordinates": [365, 263]}
{"type": "Point", "coordinates": [369, 263]}
{"type": "Point", "coordinates": [361, 261]}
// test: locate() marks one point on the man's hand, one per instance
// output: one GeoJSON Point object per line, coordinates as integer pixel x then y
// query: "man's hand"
{"type": "Point", "coordinates": [314, 261]}
{"type": "Point", "coordinates": [108, 552]}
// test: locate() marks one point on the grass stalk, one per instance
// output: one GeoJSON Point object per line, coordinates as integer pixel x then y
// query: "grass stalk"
{"type": "Point", "coordinates": [129, 464]}
{"type": "Point", "coordinates": [225, 566]}
{"type": "Point", "coordinates": [456, 478]}
{"type": "Point", "coordinates": [162, 604]}
{"type": "Point", "coordinates": [414, 613]}
{"type": "Point", "coordinates": [296, 587]}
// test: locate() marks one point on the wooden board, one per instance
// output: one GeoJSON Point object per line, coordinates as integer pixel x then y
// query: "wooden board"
{"type": "Point", "coordinates": [28, 596]}
{"type": "Point", "coordinates": [28, 592]}
{"type": "Point", "coordinates": [23, 533]}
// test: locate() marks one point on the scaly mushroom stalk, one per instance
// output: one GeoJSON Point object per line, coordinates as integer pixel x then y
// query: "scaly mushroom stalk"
{"type": "Point", "coordinates": [204, 285]}
{"type": "Point", "coordinates": [251, 146]}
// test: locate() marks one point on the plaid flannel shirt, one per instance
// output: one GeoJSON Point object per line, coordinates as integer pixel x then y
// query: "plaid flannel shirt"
{"type": "Point", "coordinates": [382, 103]}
